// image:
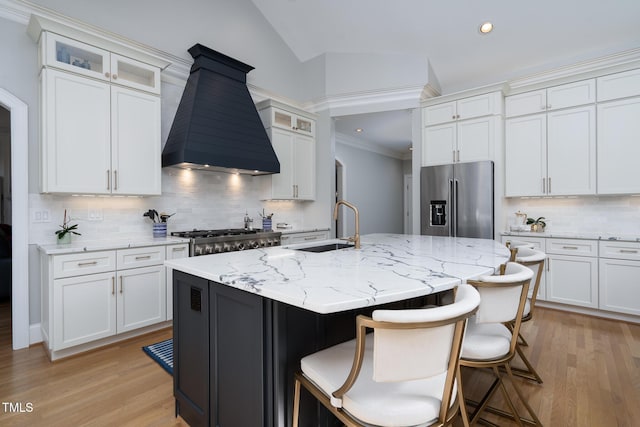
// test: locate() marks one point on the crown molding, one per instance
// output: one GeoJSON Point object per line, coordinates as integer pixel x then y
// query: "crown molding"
{"type": "Point", "coordinates": [362, 144]}
{"type": "Point", "coordinates": [368, 101]}
{"type": "Point", "coordinates": [621, 61]}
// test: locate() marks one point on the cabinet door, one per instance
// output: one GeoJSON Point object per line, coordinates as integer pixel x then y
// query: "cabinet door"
{"type": "Point", "coordinates": [441, 113]}
{"type": "Point", "coordinates": [305, 168]}
{"type": "Point", "coordinates": [76, 134]}
{"type": "Point", "coordinates": [571, 95]}
{"type": "Point", "coordinates": [526, 155]}
{"type": "Point", "coordinates": [526, 103]}
{"type": "Point", "coordinates": [477, 106]}
{"type": "Point", "coordinates": [135, 74]}
{"type": "Point", "coordinates": [84, 309]}
{"type": "Point", "coordinates": [136, 145]}
{"type": "Point", "coordinates": [572, 280]}
{"type": "Point", "coordinates": [439, 144]}
{"type": "Point", "coordinates": [475, 139]}
{"type": "Point", "coordinates": [619, 286]}
{"type": "Point", "coordinates": [571, 151]}
{"type": "Point", "coordinates": [142, 297]}
{"type": "Point", "coordinates": [76, 57]}
{"type": "Point", "coordinates": [619, 147]}
{"type": "Point", "coordinates": [619, 85]}
{"type": "Point", "coordinates": [282, 183]}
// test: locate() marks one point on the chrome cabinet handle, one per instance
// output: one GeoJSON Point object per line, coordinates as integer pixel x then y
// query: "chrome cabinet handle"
{"type": "Point", "coordinates": [311, 238]}
{"type": "Point", "coordinates": [178, 249]}
{"type": "Point", "coordinates": [139, 258]}
{"type": "Point", "coordinates": [113, 285]}
{"type": "Point", "coordinates": [108, 179]}
{"type": "Point", "coordinates": [120, 284]}
{"type": "Point", "coordinates": [628, 251]}
{"type": "Point", "coordinates": [549, 186]}
{"type": "Point", "coordinates": [454, 155]}
{"type": "Point", "coordinates": [458, 152]}
{"type": "Point", "coordinates": [544, 187]}
{"type": "Point", "coordinates": [115, 179]}
{"type": "Point", "coordinates": [575, 248]}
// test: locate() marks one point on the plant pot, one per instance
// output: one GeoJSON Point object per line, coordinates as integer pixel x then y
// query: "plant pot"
{"type": "Point", "coordinates": [538, 228]}
{"type": "Point", "coordinates": [65, 239]}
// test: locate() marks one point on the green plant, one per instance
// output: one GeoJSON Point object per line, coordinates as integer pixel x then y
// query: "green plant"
{"type": "Point", "coordinates": [540, 221]}
{"type": "Point", "coordinates": [67, 228]}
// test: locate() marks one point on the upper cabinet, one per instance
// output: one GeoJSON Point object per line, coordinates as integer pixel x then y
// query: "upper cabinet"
{"type": "Point", "coordinates": [464, 130]}
{"type": "Point", "coordinates": [100, 120]}
{"type": "Point", "coordinates": [292, 135]}
{"type": "Point", "coordinates": [550, 141]}
{"type": "Point", "coordinates": [80, 58]}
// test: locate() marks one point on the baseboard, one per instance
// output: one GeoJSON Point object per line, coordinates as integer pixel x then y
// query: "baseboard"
{"type": "Point", "coordinates": [593, 312]}
{"type": "Point", "coordinates": [35, 334]}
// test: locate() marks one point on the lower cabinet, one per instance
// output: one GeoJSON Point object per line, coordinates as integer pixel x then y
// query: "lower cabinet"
{"type": "Point", "coordinates": [572, 280]}
{"type": "Point", "coordinates": [303, 237]}
{"type": "Point", "coordinates": [90, 296]}
{"type": "Point", "coordinates": [619, 272]}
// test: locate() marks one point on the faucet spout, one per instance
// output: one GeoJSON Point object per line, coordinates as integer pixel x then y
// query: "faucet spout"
{"type": "Point", "coordinates": [356, 237]}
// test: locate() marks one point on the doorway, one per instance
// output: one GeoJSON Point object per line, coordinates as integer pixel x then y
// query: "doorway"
{"type": "Point", "coordinates": [19, 179]}
{"type": "Point", "coordinates": [340, 191]}
{"type": "Point", "coordinates": [5, 223]}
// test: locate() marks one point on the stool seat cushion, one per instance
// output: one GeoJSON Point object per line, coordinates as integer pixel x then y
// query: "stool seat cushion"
{"type": "Point", "coordinates": [485, 341]}
{"type": "Point", "coordinates": [406, 403]}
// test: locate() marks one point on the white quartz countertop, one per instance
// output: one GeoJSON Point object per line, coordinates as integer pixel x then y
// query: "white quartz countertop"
{"type": "Point", "coordinates": [108, 244]}
{"type": "Point", "coordinates": [388, 268]}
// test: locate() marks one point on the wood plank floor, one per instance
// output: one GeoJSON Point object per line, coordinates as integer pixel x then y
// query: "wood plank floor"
{"type": "Point", "coordinates": [590, 368]}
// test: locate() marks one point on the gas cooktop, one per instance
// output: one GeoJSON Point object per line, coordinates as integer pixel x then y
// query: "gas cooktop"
{"type": "Point", "coordinates": [214, 233]}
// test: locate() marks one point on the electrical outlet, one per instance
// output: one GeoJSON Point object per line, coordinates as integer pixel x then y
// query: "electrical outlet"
{"type": "Point", "coordinates": [95, 215]}
{"type": "Point", "coordinates": [40, 215]}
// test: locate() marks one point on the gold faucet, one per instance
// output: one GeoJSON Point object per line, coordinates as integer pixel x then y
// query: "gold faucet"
{"type": "Point", "coordinates": [356, 237]}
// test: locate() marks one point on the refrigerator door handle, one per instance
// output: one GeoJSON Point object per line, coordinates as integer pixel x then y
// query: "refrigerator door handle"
{"type": "Point", "coordinates": [455, 206]}
{"type": "Point", "coordinates": [452, 208]}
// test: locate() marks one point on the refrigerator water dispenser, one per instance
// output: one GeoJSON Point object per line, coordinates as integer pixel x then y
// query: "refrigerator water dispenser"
{"type": "Point", "coordinates": [438, 212]}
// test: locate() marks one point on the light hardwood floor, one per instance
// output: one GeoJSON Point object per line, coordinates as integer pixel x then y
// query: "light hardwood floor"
{"type": "Point", "coordinates": [590, 368]}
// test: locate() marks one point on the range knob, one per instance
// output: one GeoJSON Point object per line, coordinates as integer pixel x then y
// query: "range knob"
{"type": "Point", "coordinates": [199, 251]}
{"type": "Point", "coordinates": [226, 247]}
{"type": "Point", "coordinates": [209, 249]}
{"type": "Point", "coordinates": [254, 244]}
{"type": "Point", "coordinates": [240, 246]}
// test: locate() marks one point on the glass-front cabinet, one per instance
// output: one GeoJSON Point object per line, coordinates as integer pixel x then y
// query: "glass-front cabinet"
{"type": "Point", "coordinates": [81, 58]}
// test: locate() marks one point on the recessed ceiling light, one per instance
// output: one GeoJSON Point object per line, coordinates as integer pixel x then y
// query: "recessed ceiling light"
{"type": "Point", "coordinates": [486, 28]}
{"type": "Point", "coordinates": [359, 130]}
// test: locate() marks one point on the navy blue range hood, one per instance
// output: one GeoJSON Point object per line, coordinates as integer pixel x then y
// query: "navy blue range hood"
{"type": "Point", "coordinates": [217, 126]}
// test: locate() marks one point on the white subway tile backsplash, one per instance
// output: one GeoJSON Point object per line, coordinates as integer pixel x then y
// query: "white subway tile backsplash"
{"type": "Point", "coordinates": [200, 199]}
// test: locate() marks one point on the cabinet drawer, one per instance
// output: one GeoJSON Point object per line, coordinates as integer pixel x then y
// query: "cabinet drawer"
{"type": "Point", "coordinates": [572, 247]}
{"type": "Point", "coordinates": [620, 250]}
{"type": "Point", "coordinates": [294, 238]}
{"type": "Point", "coordinates": [177, 251]}
{"type": "Point", "coordinates": [83, 263]}
{"type": "Point", "coordinates": [140, 257]}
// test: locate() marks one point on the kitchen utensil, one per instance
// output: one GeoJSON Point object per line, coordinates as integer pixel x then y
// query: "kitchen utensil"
{"type": "Point", "coordinates": [164, 217]}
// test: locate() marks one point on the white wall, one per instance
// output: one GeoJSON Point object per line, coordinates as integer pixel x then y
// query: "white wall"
{"type": "Point", "coordinates": [373, 183]}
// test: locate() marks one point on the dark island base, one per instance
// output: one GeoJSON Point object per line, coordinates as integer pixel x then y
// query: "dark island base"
{"type": "Point", "coordinates": [235, 353]}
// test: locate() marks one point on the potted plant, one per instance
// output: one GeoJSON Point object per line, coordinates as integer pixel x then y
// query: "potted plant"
{"type": "Point", "coordinates": [537, 224]}
{"type": "Point", "coordinates": [66, 230]}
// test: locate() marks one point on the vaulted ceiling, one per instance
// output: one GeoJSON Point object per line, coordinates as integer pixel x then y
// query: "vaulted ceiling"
{"type": "Point", "coordinates": [528, 37]}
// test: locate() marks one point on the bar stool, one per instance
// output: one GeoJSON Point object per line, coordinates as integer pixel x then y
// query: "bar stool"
{"type": "Point", "coordinates": [513, 246]}
{"type": "Point", "coordinates": [489, 344]}
{"type": "Point", "coordinates": [404, 374]}
{"type": "Point", "coordinates": [534, 259]}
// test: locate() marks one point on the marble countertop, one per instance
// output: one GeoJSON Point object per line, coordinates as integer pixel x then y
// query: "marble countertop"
{"type": "Point", "coordinates": [389, 267]}
{"type": "Point", "coordinates": [108, 244]}
{"type": "Point", "coordinates": [575, 235]}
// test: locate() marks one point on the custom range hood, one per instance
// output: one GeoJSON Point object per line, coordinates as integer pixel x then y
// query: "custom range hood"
{"type": "Point", "coordinates": [217, 126]}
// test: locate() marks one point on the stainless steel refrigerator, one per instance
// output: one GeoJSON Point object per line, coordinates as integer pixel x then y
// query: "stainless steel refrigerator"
{"type": "Point", "coordinates": [457, 200]}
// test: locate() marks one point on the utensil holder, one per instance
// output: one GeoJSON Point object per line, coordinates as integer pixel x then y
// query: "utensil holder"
{"type": "Point", "coordinates": [160, 229]}
{"type": "Point", "coordinates": [266, 224]}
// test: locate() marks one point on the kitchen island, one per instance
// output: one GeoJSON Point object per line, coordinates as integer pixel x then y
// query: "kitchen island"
{"type": "Point", "coordinates": [243, 320]}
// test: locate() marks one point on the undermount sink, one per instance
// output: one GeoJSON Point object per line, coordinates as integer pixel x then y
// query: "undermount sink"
{"type": "Point", "coordinates": [326, 247]}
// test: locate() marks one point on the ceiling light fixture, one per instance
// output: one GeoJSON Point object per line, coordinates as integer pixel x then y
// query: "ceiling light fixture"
{"type": "Point", "coordinates": [486, 28]}
{"type": "Point", "coordinates": [359, 130]}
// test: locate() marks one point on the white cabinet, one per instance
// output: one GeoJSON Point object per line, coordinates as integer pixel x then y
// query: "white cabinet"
{"type": "Point", "coordinates": [97, 137]}
{"type": "Point", "coordinates": [173, 252]}
{"type": "Point", "coordinates": [551, 153]}
{"type": "Point", "coordinates": [572, 272]}
{"type": "Point", "coordinates": [619, 85]}
{"type": "Point", "coordinates": [303, 237]}
{"type": "Point", "coordinates": [619, 272]}
{"type": "Point", "coordinates": [90, 61]}
{"type": "Point", "coordinates": [89, 296]}
{"type": "Point", "coordinates": [619, 146]}
{"type": "Point", "coordinates": [464, 130]}
{"type": "Point", "coordinates": [292, 136]}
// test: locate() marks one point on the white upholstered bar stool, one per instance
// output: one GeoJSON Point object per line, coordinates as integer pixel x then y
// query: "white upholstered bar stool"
{"type": "Point", "coordinates": [404, 374]}
{"type": "Point", "coordinates": [534, 259]}
{"type": "Point", "coordinates": [513, 246]}
{"type": "Point", "coordinates": [489, 344]}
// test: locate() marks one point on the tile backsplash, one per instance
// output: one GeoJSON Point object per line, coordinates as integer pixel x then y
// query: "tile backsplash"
{"type": "Point", "coordinates": [199, 199]}
{"type": "Point", "coordinates": [606, 215]}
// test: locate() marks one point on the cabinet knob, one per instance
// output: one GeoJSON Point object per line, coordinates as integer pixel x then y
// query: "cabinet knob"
{"type": "Point", "coordinates": [453, 117]}
{"type": "Point", "coordinates": [549, 106]}
{"type": "Point", "coordinates": [457, 116]}
{"type": "Point", "coordinates": [107, 75]}
{"type": "Point", "coordinates": [114, 77]}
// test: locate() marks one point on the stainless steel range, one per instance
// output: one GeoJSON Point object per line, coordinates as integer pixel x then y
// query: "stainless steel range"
{"type": "Point", "coordinates": [205, 242]}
